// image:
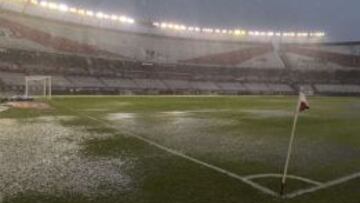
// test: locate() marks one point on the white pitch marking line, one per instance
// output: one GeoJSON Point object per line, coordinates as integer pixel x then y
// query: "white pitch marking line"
{"type": "Point", "coordinates": [324, 186]}
{"type": "Point", "coordinates": [189, 158]}
{"type": "Point", "coordinates": [273, 175]}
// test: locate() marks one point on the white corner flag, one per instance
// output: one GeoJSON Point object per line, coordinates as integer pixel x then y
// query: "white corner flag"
{"type": "Point", "coordinates": [302, 106]}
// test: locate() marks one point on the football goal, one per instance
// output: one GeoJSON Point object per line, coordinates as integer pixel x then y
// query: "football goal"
{"type": "Point", "coordinates": [38, 86]}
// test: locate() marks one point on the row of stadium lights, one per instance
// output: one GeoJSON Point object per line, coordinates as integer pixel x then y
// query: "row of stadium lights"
{"type": "Point", "coordinates": [83, 12]}
{"type": "Point", "coordinates": [178, 27]}
{"type": "Point", "coordinates": [171, 26]}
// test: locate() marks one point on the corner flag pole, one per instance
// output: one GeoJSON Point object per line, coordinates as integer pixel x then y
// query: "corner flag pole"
{"type": "Point", "coordinates": [292, 138]}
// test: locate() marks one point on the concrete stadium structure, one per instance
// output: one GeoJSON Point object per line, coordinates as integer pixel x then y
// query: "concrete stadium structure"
{"type": "Point", "coordinates": [94, 56]}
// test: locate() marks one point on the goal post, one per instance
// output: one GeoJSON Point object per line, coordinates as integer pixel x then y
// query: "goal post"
{"type": "Point", "coordinates": [45, 83]}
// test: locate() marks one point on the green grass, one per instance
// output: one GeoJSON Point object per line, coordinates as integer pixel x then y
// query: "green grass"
{"type": "Point", "coordinates": [245, 135]}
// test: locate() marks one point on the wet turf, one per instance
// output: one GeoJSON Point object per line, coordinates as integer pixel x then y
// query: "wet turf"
{"type": "Point", "coordinates": [244, 135]}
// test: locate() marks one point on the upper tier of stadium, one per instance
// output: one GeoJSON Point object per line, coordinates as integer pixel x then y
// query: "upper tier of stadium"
{"type": "Point", "coordinates": [65, 13]}
{"type": "Point", "coordinates": [28, 25]}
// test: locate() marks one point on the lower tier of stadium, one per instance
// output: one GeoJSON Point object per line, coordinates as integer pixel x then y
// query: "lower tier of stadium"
{"type": "Point", "coordinates": [76, 74]}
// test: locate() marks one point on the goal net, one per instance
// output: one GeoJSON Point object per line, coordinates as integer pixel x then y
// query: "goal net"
{"type": "Point", "coordinates": [38, 86]}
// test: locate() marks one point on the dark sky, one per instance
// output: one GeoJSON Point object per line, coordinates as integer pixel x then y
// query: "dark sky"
{"type": "Point", "coordinates": [339, 18]}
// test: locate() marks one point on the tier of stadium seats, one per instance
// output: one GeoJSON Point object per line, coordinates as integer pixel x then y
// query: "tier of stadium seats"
{"type": "Point", "coordinates": [85, 73]}
{"type": "Point", "coordinates": [325, 57]}
{"type": "Point", "coordinates": [12, 79]}
{"type": "Point", "coordinates": [47, 40]}
{"type": "Point", "coordinates": [18, 31]}
{"type": "Point", "coordinates": [232, 58]}
{"type": "Point", "coordinates": [338, 89]}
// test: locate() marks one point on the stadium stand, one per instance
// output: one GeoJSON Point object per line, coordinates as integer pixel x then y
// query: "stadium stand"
{"type": "Point", "coordinates": [338, 89]}
{"type": "Point", "coordinates": [87, 59]}
{"type": "Point", "coordinates": [12, 79]}
{"type": "Point", "coordinates": [178, 85]}
{"type": "Point", "coordinates": [341, 59]}
{"type": "Point", "coordinates": [98, 74]}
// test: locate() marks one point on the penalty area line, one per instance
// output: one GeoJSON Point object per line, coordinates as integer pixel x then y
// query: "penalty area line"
{"type": "Point", "coordinates": [189, 158]}
{"type": "Point", "coordinates": [324, 185]}
{"type": "Point", "coordinates": [273, 175]}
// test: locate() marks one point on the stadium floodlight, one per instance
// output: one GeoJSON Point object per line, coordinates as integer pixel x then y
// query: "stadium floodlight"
{"type": "Point", "coordinates": [163, 25]}
{"type": "Point", "coordinates": [183, 27]}
{"type": "Point", "coordinates": [81, 12]}
{"type": "Point", "coordinates": [302, 34]}
{"type": "Point", "coordinates": [53, 6]}
{"type": "Point", "coordinates": [129, 20]}
{"type": "Point", "coordinates": [123, 19]}
{"type": "Point", "coordinates": [197, 29]}
{"type": "Point", "coordinates": [63, 8]}
{"type": "Point", "coordinates": [270, 34]}
{"type": "Point", "coordinates": [43, 3]}
{"type": "Point", "coordinates": [240, 32]}
{"type": "Point", "coordinates": [114, 17]}
{"type": "Point", "coordinates": [90, 13]}
{"type": "Point", "coordinates": [287, 34]}
{"type": "Point", "coordinates": [36, 2]}
{"type": "Point", "coordinates": [319, 34]}
{"type": "Point", "coordinates": [66, 8]}
{"type": "Point", "coordinates": [207, 30]}
{"type": "Point", "coordinates": [171, 26]}
{"type": "Point", "coordinates": [99, 15]}
{"type": "Point", "coordinates": [73, 10]}
{"type": "Point", "coordinates": [106, 16]}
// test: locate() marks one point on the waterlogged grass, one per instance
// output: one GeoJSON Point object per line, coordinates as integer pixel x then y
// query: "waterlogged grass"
{"type": "Point", "coordinates": [245, 135]}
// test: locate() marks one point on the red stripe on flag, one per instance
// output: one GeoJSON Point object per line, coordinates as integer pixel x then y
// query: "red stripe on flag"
{"type": "Point", "coordinates": [304, 106]}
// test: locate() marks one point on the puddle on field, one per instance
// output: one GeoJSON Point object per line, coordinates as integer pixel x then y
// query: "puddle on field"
{"type": "Point", "coordinates": [53, 118]}
{"type": "Point", "coordinates": [120, 116]}
{"type": "Point", "coordinates": [96, 110]}
{"type": "Point", "coordinates": [268, 113]}
{"type": "Point", "coordinates": [176, 113]}
{"type": "Point", "coordinates": [3, 108]}
{"type": "Point", "coordinates": [44, 157]}
{"type": "Point", "coordinates": [7, 122]}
